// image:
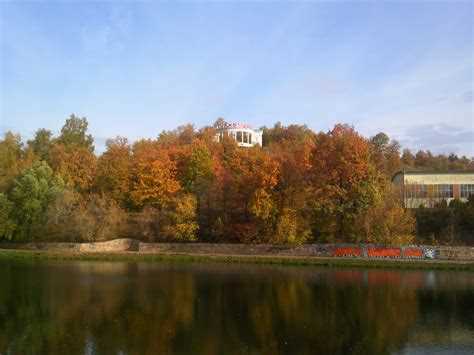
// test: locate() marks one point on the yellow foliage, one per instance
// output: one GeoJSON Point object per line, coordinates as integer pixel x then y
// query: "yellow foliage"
{"type": "Point", "coordinates": [76, 166]}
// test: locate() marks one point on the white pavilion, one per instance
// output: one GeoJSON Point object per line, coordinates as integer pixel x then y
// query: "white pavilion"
{"type": "Point", "coordinates": [243, 134]}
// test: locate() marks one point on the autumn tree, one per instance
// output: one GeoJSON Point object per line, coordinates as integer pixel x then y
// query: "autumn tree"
{"type": "Point", "coordinates": [11, 157]}
{"type": "Point", "coordinates": [114, 170]}
{"type": "Point", "coordinates": [180, 136]}
{"type": "Point", "coordinates": [423, 159]}
{"type": "Point", "coordinates": [386, 221]}
{"type": "Point", "coordinates": [280, 134]}
{"type": "Point", "coordinates": [407, 159]}
{"type": "Point", "coordinates": [71, 155]}
{"type": "Point", "coordinates": [250, 202]}
{"type": "Point", "coordinates": [343, 180]}
{"type": "Point", "coordinates": [292, 147]}
{"type": "Point", "coordinates": [76, 166]}
{"type": "Point", "coordinates": [153, 178]}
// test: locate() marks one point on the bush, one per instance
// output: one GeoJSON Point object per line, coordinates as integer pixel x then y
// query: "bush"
{"type": "Point", "coordinates": [176, 222]}
{"type": "Point", "coordinates": [291, 228]}
{"type": "Point", "coordinates": [73, 218]}
{"type": "Point", "coordinates": [443, 224]}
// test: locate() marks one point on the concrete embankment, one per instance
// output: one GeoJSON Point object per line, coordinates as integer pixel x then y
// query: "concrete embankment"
{"type": "Point", "coordinates": [356, 251]}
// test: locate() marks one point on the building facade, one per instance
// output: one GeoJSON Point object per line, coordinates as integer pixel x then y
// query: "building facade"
{"type": "Point", "coordinates": [429, 188]}
{"type": "Point", "coordinates": [243, 134]}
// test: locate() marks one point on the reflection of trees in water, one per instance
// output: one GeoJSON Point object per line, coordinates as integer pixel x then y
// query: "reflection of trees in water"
{"type": "Point", "coordinates": [218, 309]}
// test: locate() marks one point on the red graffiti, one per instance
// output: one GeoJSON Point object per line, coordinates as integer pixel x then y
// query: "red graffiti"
{"type": "Point", "coordinates": [412, 253]}
{"type": "Point", "coordinates": [383, 252]}
{"type": "Point", "coordinates": [347, 251]}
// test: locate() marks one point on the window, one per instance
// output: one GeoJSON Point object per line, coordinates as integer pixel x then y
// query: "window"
{"type": "Point", "coordinates": [467, 190]}
{"type": "Point", "coordinates": [246, 137]}
{"type": "Point", "coordinates": [250, 138]}
{"type": "Point", "coordinates": [239, 136]}
{"type": "Point", "coordinates": [445, 191]}
{"type": "Point", "coordinates": [429, 191]}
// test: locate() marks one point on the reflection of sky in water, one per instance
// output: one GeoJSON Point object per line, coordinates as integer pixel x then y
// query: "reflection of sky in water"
{"type": "Point", "coordinates": [437, 350]}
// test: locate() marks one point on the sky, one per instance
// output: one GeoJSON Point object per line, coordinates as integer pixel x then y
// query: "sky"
{"type": "Point", "coordinates": [137, 68]}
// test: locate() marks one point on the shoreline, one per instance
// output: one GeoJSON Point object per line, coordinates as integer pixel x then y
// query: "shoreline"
{"type": "Point", "coordinates": [133, 256]}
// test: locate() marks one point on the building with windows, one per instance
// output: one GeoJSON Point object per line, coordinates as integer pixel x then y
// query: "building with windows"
{"type": "Point", "coordinates": [243, 134]}
{"type": "Point", "coordinates": [421, 188]}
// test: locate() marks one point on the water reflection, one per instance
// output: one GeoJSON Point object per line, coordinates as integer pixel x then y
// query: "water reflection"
{"type": "Point", "coordinates": [156, 308]}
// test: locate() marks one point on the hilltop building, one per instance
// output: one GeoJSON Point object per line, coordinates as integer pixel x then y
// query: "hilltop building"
{"type": "Point", "coordinates": [421, 188]}
{"type": "Point", "coordinates": [243, 134]}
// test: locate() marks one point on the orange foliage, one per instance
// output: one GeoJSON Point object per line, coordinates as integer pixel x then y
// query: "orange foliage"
{"type": "Point", "coordinates": [343, 181]}
{"type": "Point", "coordinates": [153, 174]}
{"type": "Point", "coordinates": [184, 185]}
{"type": "Point", "coordinates": [340, 159]}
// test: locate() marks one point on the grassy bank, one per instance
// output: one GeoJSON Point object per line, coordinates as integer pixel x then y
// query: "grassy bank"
{"type": "Point", "coordinates": [261, 259]}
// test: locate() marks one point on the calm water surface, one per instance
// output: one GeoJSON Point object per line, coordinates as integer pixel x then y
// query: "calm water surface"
{"type": "Point", "coordinates": [159, 308]}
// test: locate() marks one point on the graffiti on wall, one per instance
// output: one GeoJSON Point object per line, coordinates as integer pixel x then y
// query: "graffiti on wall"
{"type": "Point", "coordinates": [383, 252]}
{"type": "Point", "coordinates": [413, 252]}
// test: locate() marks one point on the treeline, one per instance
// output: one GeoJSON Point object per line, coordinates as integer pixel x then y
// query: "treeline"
{"type": "Point", "coordinates": [301, 186]}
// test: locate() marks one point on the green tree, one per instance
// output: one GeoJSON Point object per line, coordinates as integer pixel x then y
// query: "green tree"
{"type": "Point", "coordinates": [385, 153]}
{"type": "Point", "coordinates": [380, 141]}
{"type": "Point", "coordinates": [74, 133]}
{"type": "Point", "coordinates": [32, 193]}
{"type": "Point", "coordinates": [7, 225]}
{"type": "Point", "coordinates": [113, 170]}
{"type": "Point", "coordinates": [41, 143]}
{"type": "Point", "coordinates": [199, 171]}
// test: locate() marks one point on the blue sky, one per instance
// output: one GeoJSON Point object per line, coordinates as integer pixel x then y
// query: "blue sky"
{"type": "Point", "coordinates": [136, 68]}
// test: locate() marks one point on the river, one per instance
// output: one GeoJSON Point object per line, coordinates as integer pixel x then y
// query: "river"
{"type": "Point", "coordinates": [92, 307]}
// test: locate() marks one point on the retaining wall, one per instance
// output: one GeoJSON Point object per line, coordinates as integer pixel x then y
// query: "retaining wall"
{"type": "Point", "coordinates": [307, 250]}
{"type": "Point", "coordinates": [321, 250]}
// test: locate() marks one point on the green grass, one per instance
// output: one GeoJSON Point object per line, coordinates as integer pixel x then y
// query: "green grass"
{"type": "Point", "coordinates": [26, 255]}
